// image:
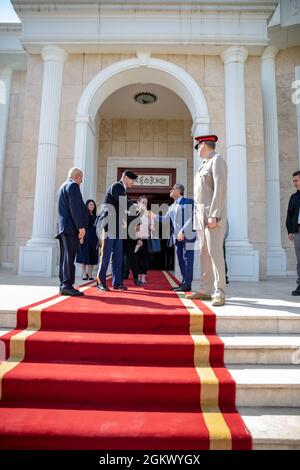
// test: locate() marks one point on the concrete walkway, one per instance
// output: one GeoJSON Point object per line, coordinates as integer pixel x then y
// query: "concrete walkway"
{"type": "Point", "coordinates": [253, 299]}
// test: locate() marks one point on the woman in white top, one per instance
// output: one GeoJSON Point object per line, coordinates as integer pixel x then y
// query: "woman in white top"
{"type": "Point", "coordinates": [145, 228]}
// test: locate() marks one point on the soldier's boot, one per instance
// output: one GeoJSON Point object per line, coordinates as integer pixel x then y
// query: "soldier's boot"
{"type": "Point", "coordinates": [218, 300]}
{"type": "Point", "coordinates": [198, 296]}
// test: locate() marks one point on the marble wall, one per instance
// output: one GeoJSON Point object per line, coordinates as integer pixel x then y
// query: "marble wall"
{"type": "Point", "coordinates": [144, 138]}
{"type": "Point", "coordinates": [286, 61]}
{"type": "Point", "coordinates": [28, 153]}
{"type": "Point", "coordinates": [8, 211]}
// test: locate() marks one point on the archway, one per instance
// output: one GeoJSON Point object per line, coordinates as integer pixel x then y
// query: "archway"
{"type": "Point", "coordinates": [142, 69]}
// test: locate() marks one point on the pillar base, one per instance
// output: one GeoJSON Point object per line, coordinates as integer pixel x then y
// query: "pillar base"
{"type": "Point", "coordinates": [276, 262]}
{"type": "Point", "coordinates": [242, 262]}
{"type": "Point", "coordinates": [37, 260]}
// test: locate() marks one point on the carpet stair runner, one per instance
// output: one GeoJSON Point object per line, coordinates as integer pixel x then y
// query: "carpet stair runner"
{"type": "Point", "coordinates": [141, 369]}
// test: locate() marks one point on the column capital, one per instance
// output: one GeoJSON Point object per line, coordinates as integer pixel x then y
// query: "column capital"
{"type": "Point", "coordinates": [199, 121]}
{"type": "Point", "coordinates": [269, 53]}
{"type": "Point", "coordinates": [54, 53]}
{"type": "Point", "coordinates": [234, 54]}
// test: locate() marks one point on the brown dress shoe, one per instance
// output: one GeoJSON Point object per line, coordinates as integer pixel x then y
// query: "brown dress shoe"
{"type": "Point", "coordinates": [218, 300]}
{"type": "Point", "coordinates": [198, 296]}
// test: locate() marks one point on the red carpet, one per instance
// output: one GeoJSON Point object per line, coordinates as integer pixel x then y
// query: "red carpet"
{"type": "Point", "coordinates": [131, 370]}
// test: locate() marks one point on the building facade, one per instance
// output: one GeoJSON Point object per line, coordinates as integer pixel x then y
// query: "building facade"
{"type": "Point", "coordinates": [69, 75]}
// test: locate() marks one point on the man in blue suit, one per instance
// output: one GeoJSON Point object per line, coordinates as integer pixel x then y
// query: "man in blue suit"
{"type": "Point", "coordinates": [180, 217]}
{"type": "Point", "coordinates": [112, 231]}
{"type": "Point", "coordinates": [71, 223]}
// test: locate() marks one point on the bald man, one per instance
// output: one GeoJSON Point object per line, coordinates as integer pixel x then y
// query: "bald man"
{"type": "Point", "coordinates": [71, 224]}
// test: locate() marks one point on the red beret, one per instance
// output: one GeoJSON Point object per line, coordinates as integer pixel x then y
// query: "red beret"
{"type": "Point", "coordinates": [204, 138]}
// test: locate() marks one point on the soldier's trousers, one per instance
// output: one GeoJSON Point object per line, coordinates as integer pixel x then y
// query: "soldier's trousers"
{"type": "Point", "coordinates": [212, 260]}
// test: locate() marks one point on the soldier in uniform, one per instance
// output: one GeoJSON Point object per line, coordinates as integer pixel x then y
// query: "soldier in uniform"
{"type": "Point", "coordinates": [210, 188]}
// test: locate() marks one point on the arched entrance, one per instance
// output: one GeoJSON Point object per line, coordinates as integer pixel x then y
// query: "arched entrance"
{"type": "Point", "coordinates": [142, 69]}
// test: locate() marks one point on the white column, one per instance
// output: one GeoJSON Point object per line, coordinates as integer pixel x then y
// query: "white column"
{"type": "Point", "coordinates": [85, 156]}
{"type": "Point", "coordinates": [276, 257]}
{"type": "Point", "coordinates": [39, 256]}
{"type": "Point", "coordinates": [297, 78]}
{"type": "Point", "coordinates": [200, 127]}
{"type": "Point", "coordinates": [5, 86]}
{"type": "Point", "coordinates": [243, 261]}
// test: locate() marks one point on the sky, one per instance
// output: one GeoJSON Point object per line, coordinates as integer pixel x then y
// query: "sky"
{"type": "Point", "coordinates": [7, 13]}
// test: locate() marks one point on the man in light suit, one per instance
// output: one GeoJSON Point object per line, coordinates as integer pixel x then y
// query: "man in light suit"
{"type": "Point", "coordinates": [71, 225]}
{"type": "Point", "coordinates": [210, 190]}
{"type": "Point", "coordinates": [180, 216]}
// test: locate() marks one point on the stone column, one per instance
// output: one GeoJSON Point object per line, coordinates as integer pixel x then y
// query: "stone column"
{"type": "Point", "coordinates": [297, 78]}
{"type": "Point", "coordinates": [5, 86]}
{"type": "Point", "coordinates": [276, 257]}
{"type": "Point", "coordinates": [85, 156]}
{"type": "Point", "coordinates": [39, 256]}
{"type": "Point", "coordinates": [243, 262]}
{"type": "Point", "coordinates": [200, 127]}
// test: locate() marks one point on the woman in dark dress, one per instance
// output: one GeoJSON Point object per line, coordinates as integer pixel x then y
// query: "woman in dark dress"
{"type": "Point", "coordinates": [87, 254]}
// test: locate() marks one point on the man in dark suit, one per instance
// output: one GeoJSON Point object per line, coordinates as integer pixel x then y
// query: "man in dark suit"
{"type": "Point", "coordinates": [112, 231]}
{"type": "Point", "coordinates": [71, 223]}
{"type": "Point", "coordinates": [180, 216]}
{"type": "Point", "coordinates": [293, 225]}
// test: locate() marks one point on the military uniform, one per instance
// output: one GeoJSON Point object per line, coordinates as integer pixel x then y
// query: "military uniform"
{"type": "Point", "coordinates": [210, 188]}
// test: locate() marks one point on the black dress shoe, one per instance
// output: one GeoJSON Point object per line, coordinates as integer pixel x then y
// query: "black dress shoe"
{"type": "Point", "coordinates": [103, 288]}
{"type": "Point", "coordinates": [138, 282]}
{"type": "Point", "coordinates": [183, 288]}
{"type": "Point", "coordinates": [120, 287]}
{"type": "Point", "coordinates": [77, 290]}
{"type": "Point", "coordinates": [177, 287]}
{"type": "Point", "coordinates": [296, 291]}
{"type": "Point", "coordinates": [71, 292]}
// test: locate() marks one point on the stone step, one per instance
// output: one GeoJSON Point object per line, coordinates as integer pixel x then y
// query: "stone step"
{"type": "Point", "coordinates": [262, 349]}
{"type": "Point", "coordinates": [50, 427]}
{"type": "Point", "coordinates": [239, 349]}
{"type": "Point", "coordinates": [266, 385]}
{"type": "Point", "coordinates": [251, 323]}
{"type": "Point", "coordinates": [254, 322]}
{"type": "Point", "coordinates": [273, 428]}
{"type": "Point", "coordinates": [8, 318]}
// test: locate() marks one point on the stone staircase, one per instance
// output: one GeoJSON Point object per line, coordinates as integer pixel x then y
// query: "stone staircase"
{"type": "Point", "coordinates": [262, 352]}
